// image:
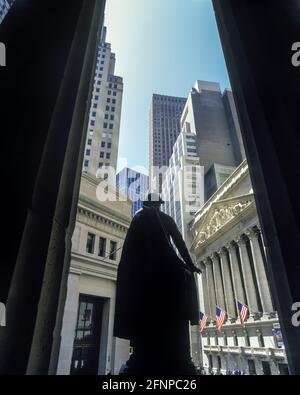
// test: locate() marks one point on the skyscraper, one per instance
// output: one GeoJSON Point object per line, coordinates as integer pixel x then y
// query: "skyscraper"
{"type": "Point", "coordinates": [134, 185]}
{"type": "Point", "coordinates": [205, 115]}
{"type": "Point", "coordinates": [183, 183]}
{"type": "Point", "coordinates": [102, 142]}
{"type": "Point", "coordinates": [164, 127]}
{"type": "Point", "coordinates": [211, 115]}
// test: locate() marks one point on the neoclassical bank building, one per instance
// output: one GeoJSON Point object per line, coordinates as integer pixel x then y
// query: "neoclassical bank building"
{"type": "Point", "coordinates": [228, 245]}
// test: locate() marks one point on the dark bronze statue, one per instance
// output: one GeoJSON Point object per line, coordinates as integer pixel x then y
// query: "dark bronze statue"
{"type": "Point", "coordinates": [156, 294]}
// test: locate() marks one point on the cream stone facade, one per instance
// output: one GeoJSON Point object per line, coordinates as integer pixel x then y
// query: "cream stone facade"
{"type": "Point", "coordinates": [87, 333]}
{"type": "Point", "coordinates": [229, 249]}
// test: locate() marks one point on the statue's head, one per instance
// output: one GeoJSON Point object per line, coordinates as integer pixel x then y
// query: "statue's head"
{"type": "Point", "coordinates": [153, 200]}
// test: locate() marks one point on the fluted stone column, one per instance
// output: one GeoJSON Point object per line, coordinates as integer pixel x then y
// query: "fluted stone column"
{"type": "Point", "coordinates": [228, 285]}
{"type": "Point", "coordinates": [205, 288]}
{"type": "Point", "coordinates": [248, 275]}
{"type": "Point", "coordinates": [218, 282]}
{"type": "Point", "coordinates": [238, 287]}
{"type": "Point", "coordinates": [261, 275]}
{"type": "Point", "coordinates": [211, 288]}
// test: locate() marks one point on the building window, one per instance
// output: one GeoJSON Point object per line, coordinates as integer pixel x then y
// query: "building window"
{"type": "Point", "coordinates": [89, 142]}
{"type": "Point", "coordinates": [98, 90]}
{"type": "Point", "coordinates": [102, 144]}
{"type": "Point", "coordinates": [100, 164]}
{"type": "Point", "coordinates": [102, 246]}
{"type": "Point", "coordinates": [94, 113]}
{"type": "Point", "coordinates": [95, 105]}
{"type": "Point", "coordinates": [111, 126]}
{"type": "Point", "coordinates": [113, 109]}
{"type": "Point", "coordinates": [102, 61]}
{"type": "Point", "coordinates": [109, 92]}
{"type": "Point", "coordinates": [86, 163]}
{"type": "Point", "coordinates": [112, 250]}
{"type": "Point", "coordinates": [96, 97]}
{"type": "Point", "coordinates": [114, 101]}
{"type": "Point", "coordinates": [101, 68]}
{"type": "Point", "coordinates": [107, 108]}
{"type": "Point", "coordinates": [105, 125]}
{"type": "Point", "coordinates": [90, 243]}
{"type": "Point", "coordinates": [115, 86]}
{"type": "Point", "coordinates": [108, 145]}
{"type": "Point", "coordinates": [106, 116]}
{"type": "Point", "coordinates": [108, 155]}
{"type": "Point", "coordinates": [108, 100]}
{"type": "Point", "coordinates": [88, 152]}
{"type": "Point", "coordinates": [101, 154]}
{"type": "Point", "coordinates": [112, 117]}
{"type": "Point", "coordinates": [114, 93]}
{"type": "Point", "coordinates": [92, 123]}
{"type": "Point", "coordinates": [110, 85]}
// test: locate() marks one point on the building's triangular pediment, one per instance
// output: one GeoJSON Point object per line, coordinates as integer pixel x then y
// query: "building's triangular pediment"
{"type": "Point", "coordinates": [222, 214]}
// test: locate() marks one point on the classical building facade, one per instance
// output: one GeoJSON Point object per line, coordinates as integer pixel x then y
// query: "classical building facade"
{"type": "Point", "coordinates": [87, 342]}
{"type": "Point", "coordinates": [229, 249]}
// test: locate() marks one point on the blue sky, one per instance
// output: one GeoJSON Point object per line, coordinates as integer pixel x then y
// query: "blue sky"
{"type": "Point", "coordinates": [161, 46]}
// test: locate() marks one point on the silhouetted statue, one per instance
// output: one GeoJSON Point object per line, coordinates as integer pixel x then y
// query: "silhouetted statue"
{"type": "Point", "coordinates": [156, 294]}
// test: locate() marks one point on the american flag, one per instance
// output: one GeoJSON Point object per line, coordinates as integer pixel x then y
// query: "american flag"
{"type": "Point", "coordinates": [220, 318]}
{"type": "Point", "coordinates": [243, 311]}
{"type": "Point", "coordinates": [202, 321]}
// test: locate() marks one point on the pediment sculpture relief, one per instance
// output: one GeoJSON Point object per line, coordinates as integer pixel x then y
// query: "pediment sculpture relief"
{"type": "Point", "coordinates": [220, 218]}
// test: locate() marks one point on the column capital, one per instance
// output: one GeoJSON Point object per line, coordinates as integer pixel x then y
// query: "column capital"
{"type": "Point", "coordinates": [241, 239]}
{"type": "Point", "coordinates": [223, 251]}
{"type": "Point", "coordinates": [230, 245]}
{"type": "Point", "coordinates": [252, 233]}
{"type": "Point", "coordinates": [201, 265]}
{"type": "Point", "coordinates": [207, 261]}
{"type": "Point", "coordinates": [214, 256]}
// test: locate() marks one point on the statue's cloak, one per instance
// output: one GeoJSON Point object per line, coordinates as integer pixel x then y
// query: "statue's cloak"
{"type": "Point", "coordinates": [154, 286]}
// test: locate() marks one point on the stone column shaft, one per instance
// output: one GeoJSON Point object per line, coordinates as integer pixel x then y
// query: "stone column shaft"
{"type": "Point", "coordinates": [211, 288]}
{"type": "Point", "coordinates": [228, 286]}
{"type": "Point", "coordinates": [248, 276]}
{"type": "Point", "coordinates": [239, 291]}
{"type": "Point", "coordinates": [205, 289]}
{"type": "Point", "coordinates": [218, 282]}
{"type": "Point", "coordinates": [261, 275]}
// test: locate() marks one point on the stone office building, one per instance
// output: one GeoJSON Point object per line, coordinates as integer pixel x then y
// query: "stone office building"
{"type": "Point", "coordinates": [87, 342]}
{"type": "Point", "coordinates": [229, 248]}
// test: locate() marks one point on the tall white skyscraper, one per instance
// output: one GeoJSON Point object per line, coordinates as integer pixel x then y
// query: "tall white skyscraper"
{"type": "Point", "coordinates": [101, 151]}
{"type": "Point", "coordinates": [183, 183]}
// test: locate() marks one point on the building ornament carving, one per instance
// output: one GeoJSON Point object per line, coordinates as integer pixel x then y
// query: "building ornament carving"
{"type": "Point", "coordinates": [220, 218]}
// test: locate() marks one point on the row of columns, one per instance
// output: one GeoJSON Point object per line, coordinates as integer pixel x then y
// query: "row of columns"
{"type": "Point", "coordinates": [237, 272]}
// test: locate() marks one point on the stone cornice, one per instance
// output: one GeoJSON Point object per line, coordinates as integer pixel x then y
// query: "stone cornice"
{"type": "Point", "coordinates": [105, 215]}
{"type": "Point", "coordinates": [94, 266]}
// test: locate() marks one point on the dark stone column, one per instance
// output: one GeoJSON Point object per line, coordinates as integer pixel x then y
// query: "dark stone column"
{"type": "Point", "coordinates": [257, 37]}
{"type": "Point", "coordinates": [48, 76]}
